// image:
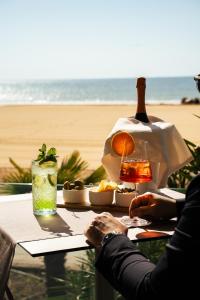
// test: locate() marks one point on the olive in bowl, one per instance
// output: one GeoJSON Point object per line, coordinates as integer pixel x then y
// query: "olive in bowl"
{"type": "Point", "coordinates": [74, 192]}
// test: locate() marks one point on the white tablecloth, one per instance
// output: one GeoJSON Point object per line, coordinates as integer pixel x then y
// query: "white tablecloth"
{"type": "Point", "coordinates": [166, 146]}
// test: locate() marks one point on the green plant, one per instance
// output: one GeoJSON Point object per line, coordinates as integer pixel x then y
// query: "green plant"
{"type": "Point", "coordinates": [18, 174]}
{"type": "Point", "coordinates": [76, 284]}
{"type": "Point", "coordinates": [96, 176]}
{"type": "Point", "coordinates": [87, 275]}
{"type": "Point", "coordinates": [152, 249]}
{"type": "Point", "coordinates": [71, 168]}
{"type": "Point", "coordinates": [182, 177]}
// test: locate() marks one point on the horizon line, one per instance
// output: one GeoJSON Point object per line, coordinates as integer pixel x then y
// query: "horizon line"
{"type": "Point", "coordinates": [94, 78]}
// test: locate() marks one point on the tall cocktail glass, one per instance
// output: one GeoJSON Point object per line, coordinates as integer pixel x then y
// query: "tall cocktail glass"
{"type": "Point", "coordinates": [136, 169]}
{"type": "Point", "coordinates": [44, 187]}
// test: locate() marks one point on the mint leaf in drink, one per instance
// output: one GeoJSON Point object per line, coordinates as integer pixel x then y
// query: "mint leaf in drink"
{"type": "Point", "coordinates": [43, 149]}
{"type": "Point", "coordinates": [46, 155]}
{"type": "Point", "coordinates": [51, 151]}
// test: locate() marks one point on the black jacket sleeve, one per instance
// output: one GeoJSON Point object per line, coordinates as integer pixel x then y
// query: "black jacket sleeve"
{"type": "Point", "coordinates": [135, 277]}
{"type": "Point", "coordinates": [123, 265]}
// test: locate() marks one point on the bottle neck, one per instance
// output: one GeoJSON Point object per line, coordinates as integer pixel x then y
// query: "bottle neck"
{"type": "Point", "coordinates": [141, 114]}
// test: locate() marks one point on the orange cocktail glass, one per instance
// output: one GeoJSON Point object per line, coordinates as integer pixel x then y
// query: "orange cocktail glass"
{"type": "Point", "coordinates": [136, 171]}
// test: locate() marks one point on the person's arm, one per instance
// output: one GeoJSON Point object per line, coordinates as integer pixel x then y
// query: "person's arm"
{"type": "Point", "coordinates": [190, 215]}
{"type": "Point", "coordinates": [131, 273]}
{"type": "Point", "coordinates": [180, 263]}
{"type": "Point", "coordinates": [119, 260]}
{"type": "Point", "coordinates": [126, 268]}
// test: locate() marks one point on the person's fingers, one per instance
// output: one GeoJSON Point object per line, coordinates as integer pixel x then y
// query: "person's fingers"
{"type": "Point", "coordinates": [88, 230]}
{"type": "Point", "coordinates": [142, 211]}
{"type": "Point", "coordinates": [99, 224]}
{"type": "Point", "coordinates": [102, 216]}
{"type": "Point", "coordinates": [105, 218]}
{"type": "Point", "coordinates": [107, 223]}
{"type": "Point", "coordinates": [142, 200]}
{"type": "Point", "coordinates": [105, 213]}
{"type": "Point", "coordinates": [104, 223]}
{"type": "Point", "coordinates": [93, 234]}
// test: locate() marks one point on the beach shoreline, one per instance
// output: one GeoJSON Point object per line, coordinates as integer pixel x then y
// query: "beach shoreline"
{"type": "Point", "coordinates": [23, 128]}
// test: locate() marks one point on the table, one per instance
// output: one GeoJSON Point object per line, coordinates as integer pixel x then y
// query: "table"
{"type": "Point", "coordinates": [40, 238]}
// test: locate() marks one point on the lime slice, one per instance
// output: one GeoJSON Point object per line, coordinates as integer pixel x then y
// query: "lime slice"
{"type": "Point", "coordinates": [38, 180]}
{"type": "Point", "coordinates": [52, 180]}
{"type": "Point", "coordinates": [48, 164]}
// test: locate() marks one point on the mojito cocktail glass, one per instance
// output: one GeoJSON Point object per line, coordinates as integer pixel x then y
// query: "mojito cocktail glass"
{"type": "Point", "coordinates": [44, 187]}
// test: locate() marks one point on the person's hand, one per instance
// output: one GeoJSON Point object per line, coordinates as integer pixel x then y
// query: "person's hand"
{"type": "Point", "coordinates": [103, 224]}
{"type": "Point", "coordinates": [153, 206]}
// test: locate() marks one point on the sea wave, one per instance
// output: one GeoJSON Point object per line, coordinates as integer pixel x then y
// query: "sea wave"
{"type": "Point", "coordinates": [88, 102]}
{"type": "Point", "coordinates": [95, 91]}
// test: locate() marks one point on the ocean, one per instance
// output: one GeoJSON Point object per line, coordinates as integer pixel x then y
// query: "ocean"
{"type": "Point", "coordinates": [169, 90]}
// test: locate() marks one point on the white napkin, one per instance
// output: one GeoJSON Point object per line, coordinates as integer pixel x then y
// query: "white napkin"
{"type": "Point", "coordinates": [166, 146]}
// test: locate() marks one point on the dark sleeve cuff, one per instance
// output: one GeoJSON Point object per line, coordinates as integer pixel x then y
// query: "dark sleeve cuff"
{"type": "Point", "coordinates": [112, 256]}
{"type": "Point", "coordinates": [113, 246]}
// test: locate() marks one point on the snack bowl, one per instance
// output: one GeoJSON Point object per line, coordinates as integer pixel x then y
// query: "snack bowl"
{"type": "Point", "coordinates": [75, 196]}
{"type": "Point", "coordinates": [124, 198]}
{"type": "Point", "coordinates": [100, 198]}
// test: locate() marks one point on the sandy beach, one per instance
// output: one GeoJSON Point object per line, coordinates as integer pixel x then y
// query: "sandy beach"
{"type": "Point", "coordinates": [24, 128]}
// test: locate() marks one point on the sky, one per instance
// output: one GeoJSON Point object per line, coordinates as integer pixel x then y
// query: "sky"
{"type": "Point", "coordinates": [63, 39]}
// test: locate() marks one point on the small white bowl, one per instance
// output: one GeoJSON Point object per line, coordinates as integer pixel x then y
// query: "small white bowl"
{"type": "Point", "coordinates": [124, 199]}
{"type": "Point", "coordinates": [75, 196]}
{"type": "Point", "coordinates": [100, 198]}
